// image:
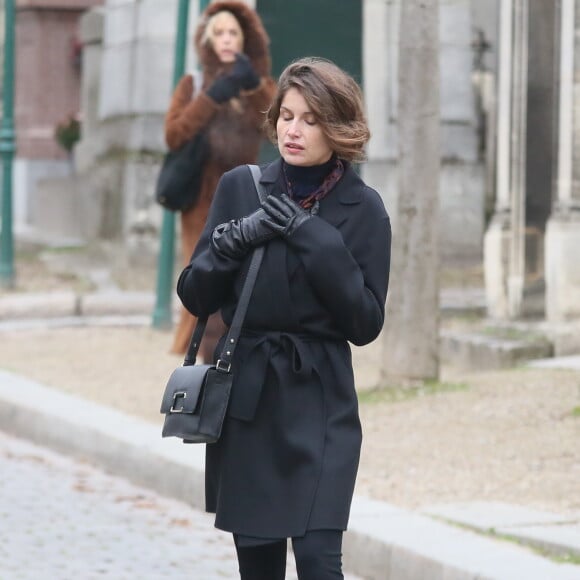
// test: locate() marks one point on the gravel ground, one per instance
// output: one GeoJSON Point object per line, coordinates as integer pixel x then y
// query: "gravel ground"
{"type": "Point", "coordinates": [511, 436]}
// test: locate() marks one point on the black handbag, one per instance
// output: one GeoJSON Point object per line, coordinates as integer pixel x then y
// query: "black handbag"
{"type": "Point", "coordinates": [179, 180]}
{"type": "Point", "coordinates": [196, 396]}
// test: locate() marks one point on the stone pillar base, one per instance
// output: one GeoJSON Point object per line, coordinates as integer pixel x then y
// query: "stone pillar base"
{"type": "Point", "coordinates": [495, 266]}
{"type": "Point", "coordinates": [562, 269]}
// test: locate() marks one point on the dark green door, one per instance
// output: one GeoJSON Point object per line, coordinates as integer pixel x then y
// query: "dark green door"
{"type": "Point", "coordinates": [328, 28]}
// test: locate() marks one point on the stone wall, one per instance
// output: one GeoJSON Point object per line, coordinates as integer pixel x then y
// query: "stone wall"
{"type": "Point", "coordinates": [125, 103]}
{"type": "Point", "coordinates": [127, 86]}
{"type": "Point", "coordinates": [462, 182]}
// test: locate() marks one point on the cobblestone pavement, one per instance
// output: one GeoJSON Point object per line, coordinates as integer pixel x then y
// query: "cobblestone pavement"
{"type": "Point", "coordinates": [65, 520]}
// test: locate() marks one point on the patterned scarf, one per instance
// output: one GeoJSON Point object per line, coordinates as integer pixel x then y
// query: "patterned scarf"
{"type": "Point", "coordinates": [329, 182]}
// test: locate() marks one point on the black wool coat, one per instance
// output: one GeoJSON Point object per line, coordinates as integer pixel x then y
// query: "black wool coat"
{"type": "Point", "coordinates": [288, 456]}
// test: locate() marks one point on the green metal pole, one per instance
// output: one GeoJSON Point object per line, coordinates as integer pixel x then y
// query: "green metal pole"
{"type": "Point", "coordinates": [7, 150]}
{"type": "Point", "coordinates": [162, 314]}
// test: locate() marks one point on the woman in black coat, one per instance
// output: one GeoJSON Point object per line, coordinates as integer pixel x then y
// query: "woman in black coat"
{"type": "Point", "coordinates": [286, 463]}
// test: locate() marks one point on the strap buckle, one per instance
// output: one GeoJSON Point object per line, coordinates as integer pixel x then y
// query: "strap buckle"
{"type": "Point", "coordinates": [223, 366]}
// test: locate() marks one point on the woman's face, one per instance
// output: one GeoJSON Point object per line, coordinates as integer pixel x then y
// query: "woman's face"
{"type": "Point", "coordinates": [300, 137]}
{"type": "Point", "coordinates": [227, 38]}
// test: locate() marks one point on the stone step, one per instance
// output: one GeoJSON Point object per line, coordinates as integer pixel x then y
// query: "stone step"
{"type": "Point", "coordinates": [483, 351]}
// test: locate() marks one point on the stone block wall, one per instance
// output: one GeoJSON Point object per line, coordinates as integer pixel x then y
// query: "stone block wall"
{"type": "Point", "coordinates": [128, 56]}
{"type": "Point", "coordinates": [462, 180]}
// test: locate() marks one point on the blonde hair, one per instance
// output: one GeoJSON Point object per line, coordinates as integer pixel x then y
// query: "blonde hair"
{"type": "Point", "coordinates": [335, 99]}
{"type": "Point", "coordinates": [212, 21]}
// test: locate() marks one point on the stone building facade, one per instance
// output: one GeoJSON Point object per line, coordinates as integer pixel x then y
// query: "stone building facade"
{"type": "Point", "coordinates": [508, 115]}
{"type": "Point", "coordinates": [136, 56]}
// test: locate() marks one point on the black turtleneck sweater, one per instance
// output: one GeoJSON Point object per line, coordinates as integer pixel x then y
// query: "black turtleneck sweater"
{"type": "Point", "coordinates": [304, 181]}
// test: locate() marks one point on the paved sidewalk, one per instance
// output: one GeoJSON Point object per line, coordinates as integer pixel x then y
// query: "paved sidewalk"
{"type": "Point", "coordinates": [65, 520]}
{"type": "Point", "coordinates": [383, 542]}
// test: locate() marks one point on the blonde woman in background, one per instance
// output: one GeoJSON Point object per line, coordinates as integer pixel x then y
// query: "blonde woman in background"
{"type": "Point", "coordinates": [230, 105]}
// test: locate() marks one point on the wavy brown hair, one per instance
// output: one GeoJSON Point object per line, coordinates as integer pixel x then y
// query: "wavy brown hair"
{"type": "Point", "coordinates": [335, 99]}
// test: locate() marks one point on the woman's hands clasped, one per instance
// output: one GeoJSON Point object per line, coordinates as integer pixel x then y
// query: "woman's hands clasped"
{"type": "Point", "coordinates": [285, 216]}
{"type": "Point", "coordinates": [278, 217]}
{"type": "Point", "coordinates": [236, 238]}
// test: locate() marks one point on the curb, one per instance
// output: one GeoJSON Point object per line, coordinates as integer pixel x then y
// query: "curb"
{"type": "Point", "coordinates": [117, 301]}
{"type": "Point", "coordinates": [69, 304]}
{"type": "Point", "coordinates": [463, 350]}
{"type": "Point", "coordinates": [383, 542]}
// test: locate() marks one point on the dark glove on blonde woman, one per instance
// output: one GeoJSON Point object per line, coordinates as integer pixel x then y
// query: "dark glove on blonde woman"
{"type": "Point", "coordinates": [242, 76]}
{"type": "Point", "coordinates": [285, 216]}
{"type": "Point", "coordinates": [236, 238]}
{"type": "Point", "coordinates": [223, 89]}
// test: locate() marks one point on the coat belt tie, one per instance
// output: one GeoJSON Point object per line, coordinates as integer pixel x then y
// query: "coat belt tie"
{"type": "Point", "coordinates": [259, 350]}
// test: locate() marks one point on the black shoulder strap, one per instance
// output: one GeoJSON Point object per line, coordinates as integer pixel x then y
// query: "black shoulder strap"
{"type": "Point", "coordinates": [225, 360]}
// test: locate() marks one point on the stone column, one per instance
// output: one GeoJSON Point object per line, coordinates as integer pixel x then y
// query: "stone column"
{"type": "Point", "coordinates": [91, 36]}
{"type": "Point", "coordinates": [94, 204]}
{"type": "Point", "coordinates": [504, 247]}
{"type": "Point", "coordinates": [562, 242]}
{"type": "Point", "coordinates": [496, 241]}
{"type": "Point", "coordinates": [380, 73]}
{"type": "Point", "coordinates": [518, 160]}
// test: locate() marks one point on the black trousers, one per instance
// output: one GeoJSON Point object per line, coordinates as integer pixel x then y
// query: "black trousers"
{"type": "Point", "coordinates": [318, 556]}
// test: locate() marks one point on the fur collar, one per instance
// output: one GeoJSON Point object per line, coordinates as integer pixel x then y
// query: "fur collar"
{"type": "Point", "coordinates": [256, 40]}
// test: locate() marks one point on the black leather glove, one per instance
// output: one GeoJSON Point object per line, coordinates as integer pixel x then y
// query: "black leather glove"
{"type": "Point", "coordinates": [223, 89]}
{"type": "Point", "coordinates": [236, 238]}
{"type": "Point", "coordinates": [285, 216]}
{"type": "Point", "coordinates": [243, 72]}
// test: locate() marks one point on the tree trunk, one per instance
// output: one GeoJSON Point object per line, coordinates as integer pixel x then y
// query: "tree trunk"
{"type": "Point", "coordinates": [412, 323]}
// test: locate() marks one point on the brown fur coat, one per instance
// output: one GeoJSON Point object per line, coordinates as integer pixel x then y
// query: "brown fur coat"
{"type": "Point", "coordinates": [235, 128]}
{"type": "Point", "coordinates": [234, 131]}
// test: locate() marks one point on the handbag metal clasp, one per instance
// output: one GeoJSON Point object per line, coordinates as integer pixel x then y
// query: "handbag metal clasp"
{"type": "Point", "coordinates": [176, 396]}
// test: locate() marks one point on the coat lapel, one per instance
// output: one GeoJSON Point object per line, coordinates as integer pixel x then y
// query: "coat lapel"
{"type": "Point", "coordinates": [272, 178]}
{"type": "Point", "coordinates": [337, 205]}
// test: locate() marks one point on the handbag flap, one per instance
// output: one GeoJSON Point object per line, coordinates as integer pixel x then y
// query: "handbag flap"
{"type": "Point", "coordinates": [184, 388]}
